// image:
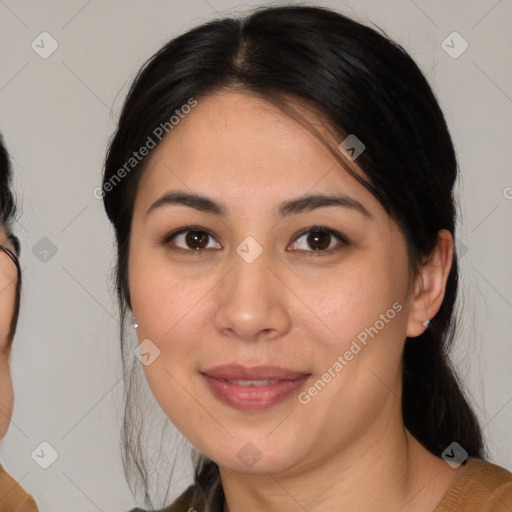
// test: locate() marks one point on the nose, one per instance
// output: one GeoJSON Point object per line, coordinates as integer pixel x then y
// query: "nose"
{"type": "Point", "coordinates": [252, 302]}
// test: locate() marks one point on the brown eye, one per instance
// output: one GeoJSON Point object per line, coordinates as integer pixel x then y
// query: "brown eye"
{"type": "Point", "coordinates": [196, 239]}
{"type": "Point", "coordinates": [319, 240]}
{"type": "Point", "coordinates": [191, 240]}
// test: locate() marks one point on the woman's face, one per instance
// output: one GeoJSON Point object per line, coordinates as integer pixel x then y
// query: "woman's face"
{"type": "Point", "coordinates": [251, 287]}
{"type": "Point", "coordinates": [8, 282]}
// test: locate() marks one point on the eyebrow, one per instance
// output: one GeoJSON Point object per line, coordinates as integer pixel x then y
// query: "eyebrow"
{"type": "Point", "coordinates": [297, 205]}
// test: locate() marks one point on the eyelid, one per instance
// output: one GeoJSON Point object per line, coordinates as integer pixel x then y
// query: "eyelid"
{"type": "Point", "coordinates": [323, 229]}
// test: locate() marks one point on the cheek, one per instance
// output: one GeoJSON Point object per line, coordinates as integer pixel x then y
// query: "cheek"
{"type": "Point", "coordinates": [164, 310]}
{"type": "Point", "coordinates": [366, 311]}
{"type": "Point", "coordinates": [355, 299]}
{"type": "Point", "coordinates": [358, 364]}
{"type": "Point", "coordinates": [171, 310]}
{"type": "Point", "coordinates": [164, 301]}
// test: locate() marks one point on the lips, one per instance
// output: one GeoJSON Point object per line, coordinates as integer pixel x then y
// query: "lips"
{"type": "Point", "coordinates": [253, 388]}
{"type": "Point", "coordinates": [239, 372]}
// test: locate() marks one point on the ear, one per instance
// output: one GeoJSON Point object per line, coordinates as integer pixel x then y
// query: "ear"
{"type": "Point", "coordinates": [430, 285]}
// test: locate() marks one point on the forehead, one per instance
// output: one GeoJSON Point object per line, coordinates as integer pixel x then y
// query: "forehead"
{"type": "Point", "coordinates": [247, 149]}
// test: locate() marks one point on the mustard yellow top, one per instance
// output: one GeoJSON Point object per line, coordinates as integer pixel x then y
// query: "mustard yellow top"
{"type": "Point", "coordinates": [479, 487]}
{"type": "Point", "coordinates": [12, 497]}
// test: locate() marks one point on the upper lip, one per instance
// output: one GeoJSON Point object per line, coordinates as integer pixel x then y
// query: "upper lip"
{"type": "Point", "coordinates": [262, 372]}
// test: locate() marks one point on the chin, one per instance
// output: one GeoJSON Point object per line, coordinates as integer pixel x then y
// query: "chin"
{"type": "Point", "coordinates": [258, 457]}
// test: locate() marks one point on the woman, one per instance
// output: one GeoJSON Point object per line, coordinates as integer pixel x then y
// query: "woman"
{"type": "Point", "coordinates": [281, 189]}
{"type": "Point", "coordinates": [12, 496]}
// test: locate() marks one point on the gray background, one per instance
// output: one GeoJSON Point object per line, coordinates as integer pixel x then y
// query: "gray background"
{"type": "Point", "coordinates": [57, 114]}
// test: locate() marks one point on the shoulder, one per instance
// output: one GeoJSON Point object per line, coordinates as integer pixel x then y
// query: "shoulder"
{"type": "Point", "coordinates": [13, 497]}
{"type": "Point", "coordinates": [481, 486]}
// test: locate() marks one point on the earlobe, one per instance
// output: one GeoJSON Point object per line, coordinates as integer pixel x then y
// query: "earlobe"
{"type": "Point", "coordinates": [430, 285]}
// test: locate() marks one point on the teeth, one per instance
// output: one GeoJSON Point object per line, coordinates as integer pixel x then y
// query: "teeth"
{"type": "Point", "coordinates": [264, 382]}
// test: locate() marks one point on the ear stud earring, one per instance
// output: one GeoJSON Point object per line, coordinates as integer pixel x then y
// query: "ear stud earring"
{"type": "Point", "coordinates": [134, 323]}
{"type": "Point", "coordinates": [426, 324]}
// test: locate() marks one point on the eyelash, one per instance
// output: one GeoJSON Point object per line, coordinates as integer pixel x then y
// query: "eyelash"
{"type": "Point", "coordinates": [342, 239]}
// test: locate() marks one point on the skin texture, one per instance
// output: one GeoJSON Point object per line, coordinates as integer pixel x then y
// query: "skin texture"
{"type": "Point", "coordinates": [8, 279]}
{"type": "Point", "coordinates": [347, 449]}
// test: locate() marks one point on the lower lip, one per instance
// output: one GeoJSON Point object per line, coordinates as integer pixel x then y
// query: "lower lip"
{"type": "Point", "coordinates": [253, 398]}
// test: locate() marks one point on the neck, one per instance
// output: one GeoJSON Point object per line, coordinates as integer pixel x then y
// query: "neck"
{"type": "Point", "coordinates": [385, 470]}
